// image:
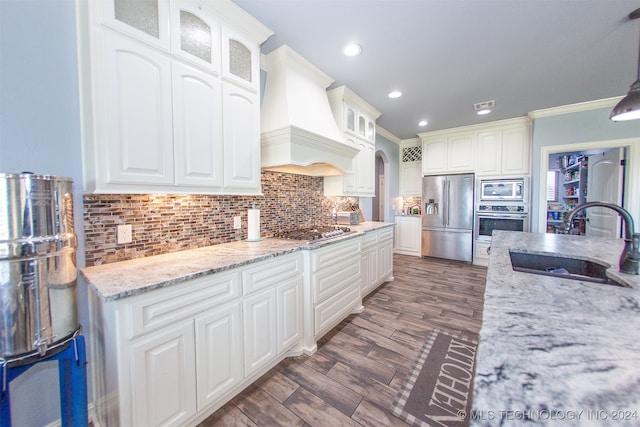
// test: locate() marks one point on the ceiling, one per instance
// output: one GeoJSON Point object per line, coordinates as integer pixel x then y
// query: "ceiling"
{"type": "Point", "coordinates": [446, 55]}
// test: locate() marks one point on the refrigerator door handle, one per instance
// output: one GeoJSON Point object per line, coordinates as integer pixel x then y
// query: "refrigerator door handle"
{"type": "Point", "coordinates": [448, 202]}
{"type": "Point", "coordinates": [444, 203]}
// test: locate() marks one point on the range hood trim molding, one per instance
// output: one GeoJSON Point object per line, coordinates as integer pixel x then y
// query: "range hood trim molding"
{"type": "Point", "coordinates": [296, 146]}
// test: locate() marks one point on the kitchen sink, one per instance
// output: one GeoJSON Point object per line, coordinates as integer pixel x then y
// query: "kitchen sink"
{"type": "Point", "coordinates": [560, 266]}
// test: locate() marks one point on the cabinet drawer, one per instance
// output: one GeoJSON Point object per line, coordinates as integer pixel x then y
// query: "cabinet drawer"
{"type": "Point", "coordinates": [270, 273]}
{"type": "Point", "coordinates": [334, 278]}
{"type": "Point", "coordinates": [166, 306]}
{"type": "Point", "coordinates": [369, 239]}
{"type": "Point", "coordinates": [385, 234]}
{"type": "Point", "coordinates": [333, 253]}
{"type": "Point", "coordinates": [331, 311]}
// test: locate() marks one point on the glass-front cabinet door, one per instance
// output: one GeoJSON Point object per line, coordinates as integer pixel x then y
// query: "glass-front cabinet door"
{"type": "Point", "coordinates": [240, 62]}
{"type": "Point", "coordinates": [146, 20]}
{"type": "Point", "coordinates": [195, 35]}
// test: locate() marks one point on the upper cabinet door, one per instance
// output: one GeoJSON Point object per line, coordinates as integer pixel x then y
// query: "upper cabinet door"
{"type": "Point", "coordinates": [240, 61]}
{"type": "Point", "coordinates": [241, 124]}
{"type": "Point", "coordinates": [461, 153]}
{"type": "Point", "coordinates": [516, 147]}
{"type": "Point", "coordinates": [434, 156]}
{"type": "Point", "coordinates": [489, 160]}
{"type": "Point", "coordinates": [134, 132]}
{"type": "Point", "coordinates": [197, 127]}
{"type": "Point", "coordinates": [195, 35]}
{"type": "Point", "coordinates": [146, 20]}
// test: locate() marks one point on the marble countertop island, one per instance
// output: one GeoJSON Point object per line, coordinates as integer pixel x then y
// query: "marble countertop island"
{"type": "Point", "coordinates": [133, 277]}
{"type": "Point", "coordinates": [553, 350]}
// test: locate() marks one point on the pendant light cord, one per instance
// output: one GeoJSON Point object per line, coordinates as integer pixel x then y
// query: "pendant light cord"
{"type": "Point", "coordinates": [635, 15]}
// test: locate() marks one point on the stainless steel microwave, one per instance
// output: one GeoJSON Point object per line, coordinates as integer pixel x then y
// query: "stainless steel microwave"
{"type": "Point", "coordinates": [502, 189]}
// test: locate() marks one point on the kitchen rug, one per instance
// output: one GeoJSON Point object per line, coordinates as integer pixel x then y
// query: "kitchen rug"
{"type": "Point", "coordinates": [438, 389]}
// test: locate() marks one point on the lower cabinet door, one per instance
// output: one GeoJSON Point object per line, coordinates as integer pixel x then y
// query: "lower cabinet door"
{"type": "Point", "coordinates": [163, 377]}
{"type": "Point", "coordinates": [385, 257]}
{"type": "Point", "coordinates": [289, 313]}
{"type": "Point", "coordinates": [218, 353]}
{"type": "Point", "coordinates": [260, 336]}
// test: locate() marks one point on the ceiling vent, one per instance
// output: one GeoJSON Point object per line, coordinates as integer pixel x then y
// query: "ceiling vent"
{"type": "Point", "coordinates": [484, 105]}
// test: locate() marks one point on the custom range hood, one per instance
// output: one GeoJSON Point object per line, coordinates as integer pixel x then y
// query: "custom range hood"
{"type": "Point", "coordinates": [298, 131]}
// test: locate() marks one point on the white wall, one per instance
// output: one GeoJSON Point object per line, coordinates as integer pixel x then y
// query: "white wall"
{"type": "Point", "coordinates": [40, 132]}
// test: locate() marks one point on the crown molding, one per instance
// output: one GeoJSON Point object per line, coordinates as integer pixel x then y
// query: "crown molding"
{"type": "Point", "coordinates": [575, 108]}
{"type": "Point", "coordinates": [385, 133]}
{"type": "Point", "coordinates": [479, 127]}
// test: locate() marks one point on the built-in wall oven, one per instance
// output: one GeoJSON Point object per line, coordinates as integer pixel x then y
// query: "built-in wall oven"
{"type": "Point", "coordinates": [499, 217]}
{"type": "Point", "coordinates": [501, 204]}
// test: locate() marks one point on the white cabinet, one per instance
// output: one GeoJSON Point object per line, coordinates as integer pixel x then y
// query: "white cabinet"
{"type": "Point", "coordinates": [408, 235]}
{"type": "Point", "coordinates": [365, 162]}
{"type": "Point", "coordinates": [197, 124]}
{"type": "Point", "coordinates": [385, 255]}
{"type": "Point", "coordinates": [218, 344]}
{"type": "Point", "coordinates": [481, 253]}
{"type": "Point", "coordinates": [516, 149]}
{"type": "Point", "coordinates": [174, 355]}
{"type": "Point", "coordinates": [356, 118]}
{"type": "Point", "coordinates": [410, 168]}
{"type": "Point", "coordinates": [241, 133]}
{"type": "Point", "coordinates": [377, 258]}
{"type": "Point", "coordinates": [133, 119]}
{"type": "Point", "coordinates": [370, 261]}
{"type": "Point", "coordinates": [260, 342]}
{"type": "Point", "coordinates": [170, 97]}
{"type": "Point", "coordinates": [504, 151]}
{"type": "Point", "coordinates": [448, 154]}
{"type": "Point", "coordinates": [163, 388]}
{"type": "Point", "coordinates": [195, 34]}
{"type": "Point", "coordinates": [489, 149]}
{"type": "Point", "coordinates": [332, 288]}
{"type": "Point", "coordinates": [272, 310]}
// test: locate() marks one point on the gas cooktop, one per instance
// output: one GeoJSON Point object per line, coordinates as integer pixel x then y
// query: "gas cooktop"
{"type": "Point", "coordinates": [315, 233]}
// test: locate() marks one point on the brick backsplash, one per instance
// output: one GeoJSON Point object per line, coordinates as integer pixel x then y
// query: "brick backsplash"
{"type": "Point", "coordinates": [164, 223]}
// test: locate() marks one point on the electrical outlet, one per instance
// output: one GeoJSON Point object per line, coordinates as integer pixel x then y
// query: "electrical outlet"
{"type": "Point", "coordinates": [237, 222]}
{"type": "Point", "coordinates": [124, 234]}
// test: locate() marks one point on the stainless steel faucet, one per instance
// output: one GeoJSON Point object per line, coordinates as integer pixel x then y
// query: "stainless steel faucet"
{"type": "Point", "coordinates": [630, 257]}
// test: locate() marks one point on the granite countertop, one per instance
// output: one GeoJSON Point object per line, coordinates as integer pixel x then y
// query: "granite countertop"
{"type": "Point", "coordinates": [133, 277]}
{"type": "Point", "coordinates": [553, 349]}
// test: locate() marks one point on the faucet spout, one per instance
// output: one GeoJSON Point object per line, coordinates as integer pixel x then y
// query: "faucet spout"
{"type": "Point", "coordinates": [630, 257]}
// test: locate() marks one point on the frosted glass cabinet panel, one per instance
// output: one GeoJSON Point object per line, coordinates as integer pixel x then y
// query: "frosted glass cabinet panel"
{"type": "Point", "coordinates": [240, 60]}
{"type": "Point", "coordinates": [351, 120]}
{"type": "Point", "coordinates": [371, 131]}
{"type": "Point", "coordinates": [141, 14]}
{"type": "Point", "coordinates": [195, 36]}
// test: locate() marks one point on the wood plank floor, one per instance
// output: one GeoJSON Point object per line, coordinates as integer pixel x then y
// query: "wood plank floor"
{"type": "Point", "coordinates": [360, 365]}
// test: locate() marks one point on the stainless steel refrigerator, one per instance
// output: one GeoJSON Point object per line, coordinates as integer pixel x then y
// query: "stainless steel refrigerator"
{"type": "Point", "coordinates": [447, 216]}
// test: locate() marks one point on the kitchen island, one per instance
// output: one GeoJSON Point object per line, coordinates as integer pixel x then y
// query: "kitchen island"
{"type": "Point", "coordinates": [553, 349]}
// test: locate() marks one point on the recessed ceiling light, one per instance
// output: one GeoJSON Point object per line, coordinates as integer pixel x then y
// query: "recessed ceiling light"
{"type": "Point", "coordinates": [422, 123]}
{"type": "Point", "coordinates": [395, 94]}
{"type": "Point", "coordinates": [483, 112]}
{"type": "Point", "coordinates": [352, 49]}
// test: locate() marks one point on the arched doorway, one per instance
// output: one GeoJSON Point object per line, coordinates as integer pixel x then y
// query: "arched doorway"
{"type": "Point", "coordinates": [381, 200]}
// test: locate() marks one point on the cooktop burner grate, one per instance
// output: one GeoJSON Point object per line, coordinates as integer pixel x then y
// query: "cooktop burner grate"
{"type": "Point", "coordinates": [315, 233]}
